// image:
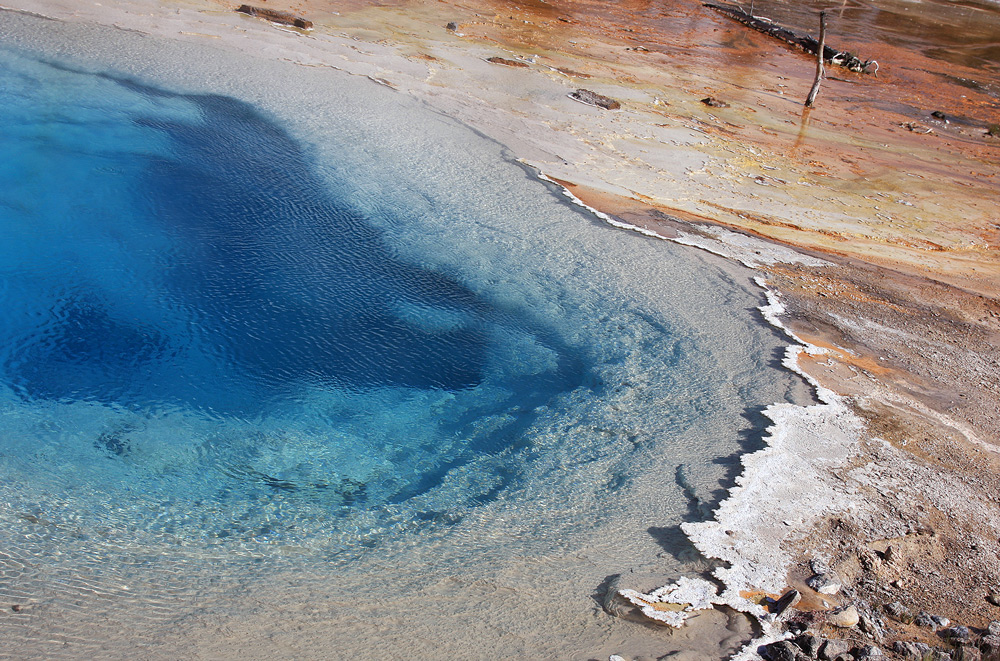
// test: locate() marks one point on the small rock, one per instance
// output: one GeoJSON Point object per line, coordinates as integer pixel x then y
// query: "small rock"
{"type": "Point", "coordinates": [994, 628]}
{"type": "Point", "coordinates": [787, 600]}
{"type": "Point", "coordinates": [809, 644]}
{"type": "Point", "coordinates": [783, 650]}
{"type": "Point", "coordinates": [868, 652]}
{"type": "Point", "coordinates": [957, 634]}
{"type": "Point", "coordinates": [941, 621]}
{"type": "Point", "coordinates": [967, 653]}
{"type": "Point", "coordinates": [926, 621]}
{"type": "Point", "coordinates": [872, 625]}
{"type": "Point", "coordinates": [938, 114]}
{"type": "Point", "coordinates": [989, 646]}
{"type": "Point", "coordinates": [819, 566]}
{"type": "Point", "coordinates": [713, 102]}
{"type": "Point", "coordinates": [899, 612]}
{"type": "Point", "coordinates": [16, 608]}
{"type": "Point", "coordinates": [994, 597]}
{"type": "Point", "coordinates": [451, 26]}
{"type": "Point", "coordinates": [891, 555]}
{"type": "Point", "coordinates": [824, 583]}
{"type": "Point", "coordinates": [909, 650]}
{"type": "Point", "coordinates": [595, 99]}
{"type": "Point", "coordinates": [844, 618]}
{"type": "Point", "coordinates": [833, 648]}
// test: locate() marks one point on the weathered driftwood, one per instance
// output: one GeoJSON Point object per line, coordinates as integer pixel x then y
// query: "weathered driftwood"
{"type": "Point", "coordinates": [819, 61]}
{"type": "Point", "coordinates": [805, 42]}
{"type": "Point", "coordinates": [275, 16]}
{"type": "Point", "coordinates": [507, 63]}
{"type": "Point", "coordinates": [595, 99]}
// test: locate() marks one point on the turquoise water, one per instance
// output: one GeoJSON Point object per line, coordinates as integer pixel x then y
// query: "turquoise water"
{"type": "Point", "coordinates": [276, 335]}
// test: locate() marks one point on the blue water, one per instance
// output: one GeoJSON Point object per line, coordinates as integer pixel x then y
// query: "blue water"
{"type": "Point", "coordinates": [174, 261]}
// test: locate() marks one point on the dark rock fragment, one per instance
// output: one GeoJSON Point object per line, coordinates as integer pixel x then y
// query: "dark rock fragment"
{"type": "Point", "coordinates": [507, 63]}
{"type": "Point", "coordinates": [809, 644]}
{"type": "Point", "coordinates": [786, 601]}
{"type": "Point", "coordinates": [867, 652]}
{"type": "Point", "coordinates": [783, 650]}
{"type": "Point", "coordinates": [275, 16]}
{"type": "Point", "coordinates": [595, 99]}
{"type": "Point", "coordinates": [825, 583]}
{"type": "Point", "coordinates": [957, 634]}
{"type": "Point", "coordinates": [451, 26]}
{"type": "Point", "coordinates": [713, 102]}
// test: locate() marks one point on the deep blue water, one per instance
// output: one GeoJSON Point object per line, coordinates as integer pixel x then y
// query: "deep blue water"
{"type": "Point", "coordinates": [174, 263]}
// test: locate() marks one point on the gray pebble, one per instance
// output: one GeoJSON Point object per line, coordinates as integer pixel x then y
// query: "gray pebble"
{"type": "Point", "coordinates": [958, 634]}
{"type": "Point", "coordinates": [899, 612]}
{"type": "Point", "coordinates": [925, 620]}
{"type": "Point", "coordinates": [833, 648]}
{"type": "Point", "coordinates": [911, 650]}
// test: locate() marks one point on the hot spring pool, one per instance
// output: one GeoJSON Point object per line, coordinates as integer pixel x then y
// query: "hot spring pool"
{"type": "Point", "coordinates": [283, 350]}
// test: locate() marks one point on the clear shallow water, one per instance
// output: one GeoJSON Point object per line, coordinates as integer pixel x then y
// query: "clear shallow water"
{"type": "Point", "coordinates": [276, 336]}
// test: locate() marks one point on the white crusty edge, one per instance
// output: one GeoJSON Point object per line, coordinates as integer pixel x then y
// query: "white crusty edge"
{"type": "Point", "coordinates": [784, 488]}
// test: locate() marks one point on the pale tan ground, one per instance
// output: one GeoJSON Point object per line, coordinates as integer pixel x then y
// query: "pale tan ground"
{"type": "Point", "coordinates": [907, 215]}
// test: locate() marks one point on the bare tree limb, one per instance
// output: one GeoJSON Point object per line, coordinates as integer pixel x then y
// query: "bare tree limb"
{"type": "Point", "coordinates": [819, 61]}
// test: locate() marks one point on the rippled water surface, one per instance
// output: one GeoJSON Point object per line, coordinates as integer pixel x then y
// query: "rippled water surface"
{"type": "Point", "coordinates": [283, 351]}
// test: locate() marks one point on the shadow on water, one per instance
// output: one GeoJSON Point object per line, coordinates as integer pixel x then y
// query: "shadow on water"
{"type": "Point", "coordinates": [279, 282]}
{"type": "Point", "coordinates": [245, 285]}
{"type": "Point", "coordinates": [276, 283]}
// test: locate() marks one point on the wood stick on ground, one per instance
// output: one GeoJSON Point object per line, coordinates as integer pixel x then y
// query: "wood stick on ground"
{"type": "Point", "coordinates": [819, 60]}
